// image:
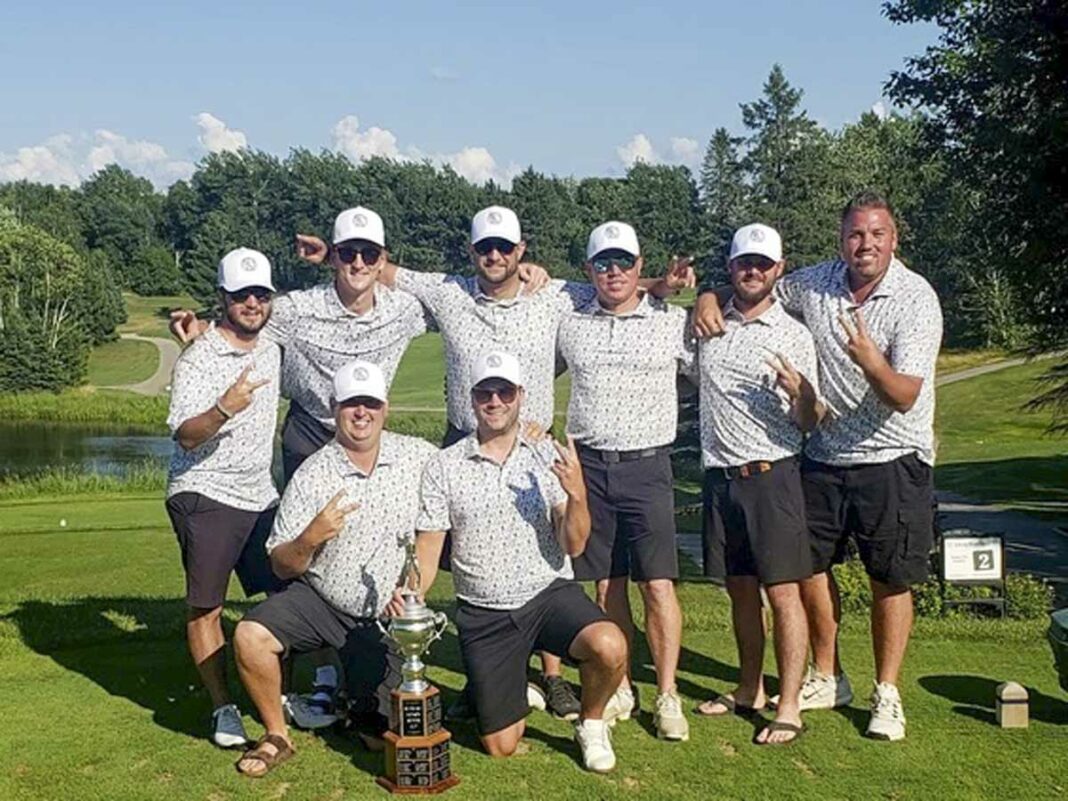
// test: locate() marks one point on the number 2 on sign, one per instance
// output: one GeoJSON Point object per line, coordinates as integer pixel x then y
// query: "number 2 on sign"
{"type": "Point", "coordinates": [984, 560]}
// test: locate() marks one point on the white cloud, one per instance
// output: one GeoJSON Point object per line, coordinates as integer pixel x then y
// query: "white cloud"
{"type": "Point", "coordinates": [48, 163]}
{"type": "Point", "coordinates": [359, 145]}
{"type": "Point", "coordinates": [476, 164]}
{"type": "Point", "coordinates": [216, 137]}
{"type": "Point", "coordinates": [880, 110]}
{"type": "Point", "coordinates": [686, 151]}
{"type": "Point", "coordinates": [639, 148]}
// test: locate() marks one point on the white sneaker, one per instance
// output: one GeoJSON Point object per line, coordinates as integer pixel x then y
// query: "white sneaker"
{"type": "Point", "coordinates": [305, 715]}
{"type": "Point", "coordinates": [535, 697]}
{"type": "Point", "coordinates": [595, 741]}
{"type": "Point", "coordinates": [620, 705]}
{"type": "Point", "coordinates": [821, 691]}
{"type": "Point", "coordinates": [227, 729]}
{"type": "Point", "coordinates": [887, 717]}
{"type": "Point", "coordinates": [668, 719]}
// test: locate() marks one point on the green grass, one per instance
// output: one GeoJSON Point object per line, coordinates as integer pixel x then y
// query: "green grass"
{"type": "Point", "coordinates": [953, 361]}
{"type": "Point", "coordinates": [149, 315]}
{"type": "Point", "coordinates": [86, 405]}
{"type": "Point", "coordinates": [124, 361]}
{"type": "Point", "coordinates": [993, 450]}
{"type": "Point", "coordinates": [100, 700]}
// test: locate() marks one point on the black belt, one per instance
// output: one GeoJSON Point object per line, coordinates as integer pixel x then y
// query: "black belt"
{"type": "Point", "coordinates": [749, 469]}
{"type": "Point", "coordinates": [623, 456]}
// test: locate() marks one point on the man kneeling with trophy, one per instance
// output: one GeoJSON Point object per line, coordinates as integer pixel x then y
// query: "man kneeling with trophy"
{"type": "Point", "coordinates": [339, 536]}
{"type": "Point", "coordinates": [517, 513]}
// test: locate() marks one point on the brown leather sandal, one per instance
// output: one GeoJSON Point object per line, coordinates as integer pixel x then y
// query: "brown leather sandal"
{"type": "Point", "coordinates": [270, 760]}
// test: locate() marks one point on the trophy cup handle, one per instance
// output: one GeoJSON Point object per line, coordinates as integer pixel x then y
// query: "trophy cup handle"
{"type": "Point", "coordinates": [440, 623]}
{"type": "Point", "coordinates": [381, 628]}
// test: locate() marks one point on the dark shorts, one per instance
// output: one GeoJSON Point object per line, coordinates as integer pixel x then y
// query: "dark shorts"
{"type": "Point", "coordinates": [452, 436]}
{"type": "Point", "coordinates": [887, 508]}
{"type": "Point", "coordinates": [302, 621]}
{"type": "Point", "coordinates": [302, 435]}
{"type": "Point", "coordinates": [759, 521]}
{"type": "Point", "coordinates": [632, 511]}
{"type": "Point", "coordinates": [496, 645]}
{"type": "Point", "coordinates": [215, 540]}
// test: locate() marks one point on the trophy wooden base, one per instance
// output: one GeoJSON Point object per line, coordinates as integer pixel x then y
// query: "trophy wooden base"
{"type": "Point", "coordinates": [418, 760]}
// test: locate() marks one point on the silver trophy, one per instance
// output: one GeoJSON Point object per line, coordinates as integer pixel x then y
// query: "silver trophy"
{"type": "Point", "coordinates": [416, 628]}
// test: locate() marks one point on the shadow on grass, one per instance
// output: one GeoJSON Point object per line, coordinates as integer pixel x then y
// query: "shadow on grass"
{"type": "Point", "coordinates": [974, 697]}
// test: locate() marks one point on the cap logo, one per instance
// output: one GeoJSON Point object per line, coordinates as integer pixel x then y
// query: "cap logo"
{"type": "Point", "coordinates": [361, 374]}
{"type": "Point", "coordinates": [493, 361]}
{"type": "Point", "coordinates": [494, 217]}
{"type": "Point", "coordinates": [359, 220]}
{"type": "Point", "coordinates": [612, 232]}
{"type": "Point", "coordinates": [248, 264]}
{"type": "Point", "coordinates": [756, 235]}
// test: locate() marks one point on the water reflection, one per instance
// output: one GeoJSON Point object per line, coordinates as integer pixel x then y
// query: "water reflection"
{"type": "Point", "coordinates": [30, 447]}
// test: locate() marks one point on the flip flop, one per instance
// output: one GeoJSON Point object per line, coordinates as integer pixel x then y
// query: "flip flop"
{"type": "Point", "coordinates": [732, 707]}
{"type": "Point", "coordinates": [269, 760]}
{"type": "Point", "coordinates": [781, 725]}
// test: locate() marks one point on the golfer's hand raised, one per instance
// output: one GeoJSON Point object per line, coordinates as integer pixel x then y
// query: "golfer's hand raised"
{"type": "Point", "coordinates": [185, 327]}
{"type": "Point", "coordinates": [680, 273]}
{"type": "Point", "coordinates": [311, 249]}
{"type": "Point", "coordinates": [568, 469]}
{"type": "Point", "coordinates": [862, 348]}
{"type": "Point", "coordinates": [792, 382]}
{"type": "Point", "coordinates": [534, 277]}
{"type": "Point", "coordinates": [238, 397]}
{"type": "Point", "coordinates": [331, 519]}
{"type": "Point", "coordinates": [707, 316]}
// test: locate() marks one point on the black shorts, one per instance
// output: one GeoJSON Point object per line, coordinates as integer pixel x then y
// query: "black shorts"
{"type": "Point", "coordinates": [215, 540]}
{"type": "Point", "coordinates": [632, 511]}
{"type": "Point", "coordinates": [496, 645]}
{"type": "Point", "coordinates": [302, 435]}
{"type": "Point", "coordinates": [887, 508]}
{"type": "Point", "coordinates": [760, 523]}
{"type": "Point", "coordinates": [303, 621]}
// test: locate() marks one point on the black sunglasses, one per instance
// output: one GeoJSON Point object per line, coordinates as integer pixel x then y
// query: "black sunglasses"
{"type": "Point", "coordinates": [484, 247]}
{"type": "Point", "coordinates": [374, 404]}
{"type": "Point", "coordinates": [262, 294]}
{"type": "Point", "coordinates": [752, 260]}
{"type": "Point", "coordinates": [369, 253]}
{"type": "Point", "coordinates": [602, 262]}
{"type": "Point", "coordinates": [506, 394]}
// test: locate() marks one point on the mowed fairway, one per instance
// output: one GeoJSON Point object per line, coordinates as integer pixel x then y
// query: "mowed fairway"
{"type": "Point", "coordinates": [101, 702]}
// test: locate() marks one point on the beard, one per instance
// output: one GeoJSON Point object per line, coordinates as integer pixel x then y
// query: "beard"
{"type": "Point", "coordinates": [233, 315]}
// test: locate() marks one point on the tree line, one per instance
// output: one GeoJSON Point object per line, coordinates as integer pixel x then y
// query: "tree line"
{"type": "Point", "coordinates": [979, 201]}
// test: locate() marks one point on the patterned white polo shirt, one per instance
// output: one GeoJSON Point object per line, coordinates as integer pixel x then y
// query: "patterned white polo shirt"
{"type": "Point", "coordinates": [472, 323]}
{"type": "Point", "coordinates": [504, 545]}
{"type": "Point", "coordinates": [745, 415]}
{"type": "Point", "coordinates": [905, 320]}
{"type": "Point", "coordinates": [234, 466]}
{"type": "Point", "coordinates": [357, 570]}
{"type": "Point", "coordinates": [623, 371]}
{"type": "Point", "coordinates": [320, 335]}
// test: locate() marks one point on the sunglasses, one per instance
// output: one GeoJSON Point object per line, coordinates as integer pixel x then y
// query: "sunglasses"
{"type": "Point", "coordinates": [485, 246]}
{"type": "Point", "coordinates": [369, 253]}
{"type": "Point", "coordinates": [505, 394]}
{"type": "Point", "coordinates": [262, 294]}
{"type": "Point", "coordinates": [602, 262]}
{"type": "Point", "coordinates": [752, 262]}
{"type": "Point", "coordinates": [367, 402]}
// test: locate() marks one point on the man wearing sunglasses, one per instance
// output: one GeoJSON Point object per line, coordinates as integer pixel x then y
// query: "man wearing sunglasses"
{"type": "Point", "coordinates": [517, 513]}
{"type": "Point", "coordinates": [339, 537]}
{"type": "Point", "coordinates": [758, 397]}
{"type": "Point", "coordinates": [624, 350]}
{"type": "Point", "coordinates": [220, 495]}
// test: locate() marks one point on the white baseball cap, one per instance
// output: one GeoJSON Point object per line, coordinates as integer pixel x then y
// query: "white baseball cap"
{"type": "Point", "coordinates": [242, 268]}
{"type": "Point", "coordinates": [359, 223]}
{"type": "Point", "coordinates": [359, 379]}
{"type": "Point", "coordinates": [757, 239]}
{"type": "Point", "coordinates": [495, 222]}
{"type": "Point", "coordinates": [613, 235]}
{"type": "Point", "coordinates": [497, 364]}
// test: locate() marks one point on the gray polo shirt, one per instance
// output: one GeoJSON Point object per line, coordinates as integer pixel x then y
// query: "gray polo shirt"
{"type": "Point", "coordinates": [356, 571]}
{"type": "Point", "coordinates": [472, 323]}
{"type": "Point", "coordinates": [623, 371]}
{"type": "Point", "coordinates": [504, 545]}
{"type": "Point", "coordinates": [320, 335]}
{"type": "Point", "coordinates": [234, 466]}
{"type": "Point", "coordinates": [745, 415]}
{"type": "Point", "coordinates": [905, 320]}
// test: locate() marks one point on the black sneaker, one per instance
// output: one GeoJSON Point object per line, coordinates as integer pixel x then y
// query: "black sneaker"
{"type": "Point", "coordinates": [561, 699]}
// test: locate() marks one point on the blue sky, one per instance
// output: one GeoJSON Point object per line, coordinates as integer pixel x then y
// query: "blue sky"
{"type": "Point", "coordinates": [577, 88]}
